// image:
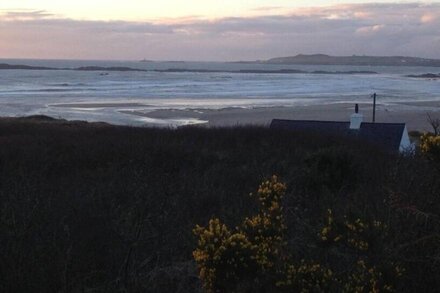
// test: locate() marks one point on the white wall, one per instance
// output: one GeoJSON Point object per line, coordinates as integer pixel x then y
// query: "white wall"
{"type": "Point", "coordinates": [405, 143]}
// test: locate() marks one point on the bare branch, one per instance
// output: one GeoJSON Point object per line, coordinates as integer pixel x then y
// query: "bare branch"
{"type": "Point", "coordinates": [435, 124]}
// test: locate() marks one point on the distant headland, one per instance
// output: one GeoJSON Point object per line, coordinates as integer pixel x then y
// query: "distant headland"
{"type": "Point", "coordinates": [4, 66]}
{"type": "Point", "coordinates": [354, 60]}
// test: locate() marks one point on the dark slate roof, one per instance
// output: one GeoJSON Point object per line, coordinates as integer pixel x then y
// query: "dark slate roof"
{"type": "Point", "coordinates": [384, 135]}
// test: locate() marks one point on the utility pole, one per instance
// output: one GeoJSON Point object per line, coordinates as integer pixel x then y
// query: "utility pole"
{"type": "Point", "coordinates": [374, 107]}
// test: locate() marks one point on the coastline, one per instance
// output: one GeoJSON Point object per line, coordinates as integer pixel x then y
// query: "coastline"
{"type": "Point", "coordinates": [414, 114]}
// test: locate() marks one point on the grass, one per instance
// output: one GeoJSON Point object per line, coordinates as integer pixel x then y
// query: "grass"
{"type": "Point", "coordinates": [97, 208]}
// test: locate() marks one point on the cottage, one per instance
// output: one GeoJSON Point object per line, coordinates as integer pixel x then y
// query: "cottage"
{"type": "Point", "coordinates": [388, 136]}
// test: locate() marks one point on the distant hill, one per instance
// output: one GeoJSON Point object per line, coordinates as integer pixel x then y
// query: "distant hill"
{"type": "Point", "coordinates": [100, 68]}
{"type": "Point", "coordinates": [426, 75]}
{"type": "Point", "coordinates": [180, 70]}
{"type": "Point", "coordinates": [321, 59]}
{"type": "Point", "coordinates": [4, 66]}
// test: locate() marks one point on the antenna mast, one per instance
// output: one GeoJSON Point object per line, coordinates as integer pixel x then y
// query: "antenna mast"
{"type": "Point", "coordinates": [374, 107]}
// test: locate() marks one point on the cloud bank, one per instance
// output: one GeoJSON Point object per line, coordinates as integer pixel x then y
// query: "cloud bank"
{"type": "Point", "coordinates": [411, 29]}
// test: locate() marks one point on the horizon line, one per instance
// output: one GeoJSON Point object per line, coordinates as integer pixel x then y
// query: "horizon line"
{"type": "Point", "coordinates": [208, 61]}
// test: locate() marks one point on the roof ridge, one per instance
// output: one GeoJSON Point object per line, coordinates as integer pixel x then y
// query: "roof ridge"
{"type": "Point", "coordinates": [320, 121]}
{"type": "Point", "coordinates": [332, 121]}
{"type": "Point", "coordinates": [389, 123]}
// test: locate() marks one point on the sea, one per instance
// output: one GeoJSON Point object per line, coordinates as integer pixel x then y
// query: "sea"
{"type": "Point", "coordinates": [109, 95]}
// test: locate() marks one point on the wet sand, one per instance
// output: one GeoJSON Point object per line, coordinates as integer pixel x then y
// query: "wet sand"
{"type": "Point", "coordinates": [97, 105]}
{"type": "Point", "coordinates": [413, 114]}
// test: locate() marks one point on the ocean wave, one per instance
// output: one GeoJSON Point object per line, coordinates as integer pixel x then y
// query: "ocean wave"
{"type": "Point", "coordinates": [68, 84]}
{"type": "Point", "coordinates": [47, 90]}
{"type": "Point", "coordinates": [425, 76]}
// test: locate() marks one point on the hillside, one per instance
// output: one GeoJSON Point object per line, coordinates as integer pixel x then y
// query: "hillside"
{"type": "Point", "coordinates": [321, 59]}
{"type": "Point", "coordinates": [89, 207]}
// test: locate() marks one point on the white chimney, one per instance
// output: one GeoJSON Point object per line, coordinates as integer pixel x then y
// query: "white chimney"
{"type": "Point", "coordinates": [356, 119]}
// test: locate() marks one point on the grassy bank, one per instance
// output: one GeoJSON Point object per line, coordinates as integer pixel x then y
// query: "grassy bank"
{"type": "Point", "coordinates": [99, 208]}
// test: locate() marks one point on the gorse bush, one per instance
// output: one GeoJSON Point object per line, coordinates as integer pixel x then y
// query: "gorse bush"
{"type": "Point", "coordinates": [361, 240]}
{"type": "Point", "coordinates": [255, 255]}
{"type": "Point", "coordinates": [228, 260]}
{"type": "Point", "coordinates": [430, 147]}
{"type": "Point", "coordinates": [355, 234]}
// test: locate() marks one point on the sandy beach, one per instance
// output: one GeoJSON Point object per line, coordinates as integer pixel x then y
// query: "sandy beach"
{"type": "Point", "coordinates": [414, 114]}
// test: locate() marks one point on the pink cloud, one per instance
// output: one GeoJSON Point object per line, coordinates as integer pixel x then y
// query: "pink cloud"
{"type": "Point", "coordinates": [370, 29]}
{"type": "Point", "coordinates": [428, 18]}
{"type": "Point", "coordinates": [404, 29]}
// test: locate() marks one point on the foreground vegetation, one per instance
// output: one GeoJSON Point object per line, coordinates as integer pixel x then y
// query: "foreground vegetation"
{"type": "Point", "coordinates": [255, 257]}
{"type": "Point", "coordinates": [96, 208]}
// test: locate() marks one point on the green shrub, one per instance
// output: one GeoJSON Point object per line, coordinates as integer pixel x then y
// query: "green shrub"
{"type": "Point", "coordinates": [255, 256]}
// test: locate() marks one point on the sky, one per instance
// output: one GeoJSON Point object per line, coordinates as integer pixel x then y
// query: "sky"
{"type": "Point", "coordinates": [212, 30]}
